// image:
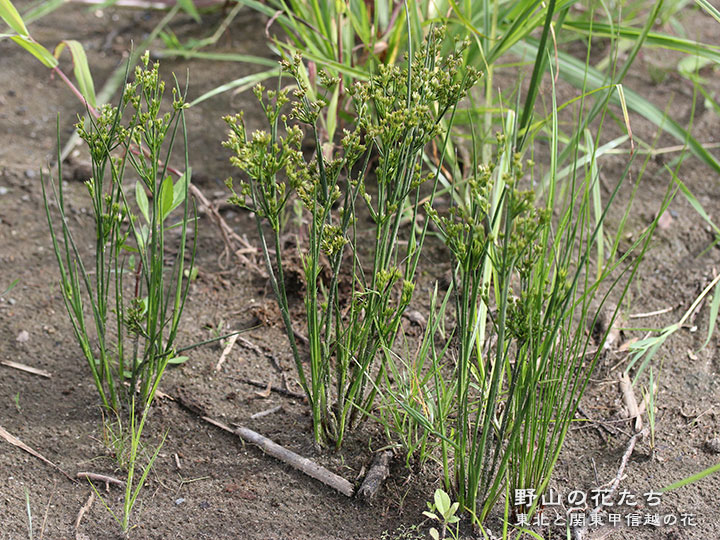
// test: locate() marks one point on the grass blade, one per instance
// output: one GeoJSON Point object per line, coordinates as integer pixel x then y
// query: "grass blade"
{"type": "Point", "coordinates": [80, 68]}
{"type": "Point", "coordinates": [11, 16]}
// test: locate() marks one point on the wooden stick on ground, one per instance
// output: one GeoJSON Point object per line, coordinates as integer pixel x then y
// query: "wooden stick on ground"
{"type": "Point", "coordinates": [107, 480]}
{"type": "Point", "coordinates": [84, 510]}
{"type": "Point", "coordinates": [266, 412]}
{"type": "Point", "coordinates": [289, 457]}
{"type": "Point", "coordinates": [275, 450]}
{"type": "Point", "coordinates": [226, 351]}
{"type": "Point", "coordinates": [581, 533]}
{"type": "Point", "coordinates": [17, 442]}
{"type": "Point", "coordinates": [630, 401]}
{"type": "Point", "coordinates": [26, 369]}
{"type": "Point", "coordinates": [379, 471]}
{"type": "Point", "coordinates": [259, 384]}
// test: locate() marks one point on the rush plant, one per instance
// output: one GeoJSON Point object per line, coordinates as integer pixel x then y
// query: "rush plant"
{"type": "Point", "coordinates": [398, 114]}
{"type": "Point", "coordinates": [525, 291]}
{"type": "Point", "coordinates": [123, 299]}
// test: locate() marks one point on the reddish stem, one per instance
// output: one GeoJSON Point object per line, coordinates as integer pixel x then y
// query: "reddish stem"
{"type": "Point", "coordinates": [75, 91]}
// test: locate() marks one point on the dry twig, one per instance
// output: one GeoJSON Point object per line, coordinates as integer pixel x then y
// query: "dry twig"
{"type": "Point", "coordinates": [379, 471]}
{"type": "Point", "coordinates": [107, 480]}
{"type": "Point", "coordinates": [630, 401]}
{"type": "Point", "coordinates": [268, 446]}
{"type": "Point", "coordinates": [84, 510]}
{"type": "Point", "coordinates": [266, 412]}
{"type": "Point", "coordinates": [226, 351]}
{"type": "Point", "coordinates": [17, 442]}
{"type": "Point", "coordinates": [26, 369]}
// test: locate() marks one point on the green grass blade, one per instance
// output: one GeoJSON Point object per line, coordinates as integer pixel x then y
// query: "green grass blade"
{"type": "Point", "coordinates": [37, 50]}
{"type": "Point", "coordinates": [10, 287]}
{"type": "Point", "coordinates": [692, 479]}
{"type": "Point", "coordinates": [13, 19]}
{"type": "Point", "coordinates": [577, 73]}
{"type": "Point", "coordinates": [41, 10]}
{"type": "Point", "coordinates": [242, 84]}
{"type": "Point", "coordinates": [696, 205]}
{"type": "Point", "coordinates": [714, 307]}
{"type": "Point", "coordinates": [80, 68]}
{"type": "Point", "coordinates": [709, 8]}
{"type": "Point", "coordinates": [216, 56]}
{"type": "Point", "coordinates": [653, 39]}
{"type": "Point", "coordinates": [188, 7]}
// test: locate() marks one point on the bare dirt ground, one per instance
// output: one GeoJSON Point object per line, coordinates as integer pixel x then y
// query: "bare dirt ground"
{"type": "Point", "coordinates": [207, 484]}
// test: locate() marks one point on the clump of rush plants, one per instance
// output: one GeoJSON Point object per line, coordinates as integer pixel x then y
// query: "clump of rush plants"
{"type": "Point", "coordinates": [398, 113]}
{"type": "Point", "coordinates": [123, 299]}
{"type": "Point", "coordinates": [497, 399]}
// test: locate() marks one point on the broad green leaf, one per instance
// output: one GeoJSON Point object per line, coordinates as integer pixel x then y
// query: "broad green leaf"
{"type": "Point", "coordinates": [180, 189]}
{"type": "Point", "coordinates": [142, 201]}
{"type": "Point", "coordinates": [13, 19]}
{"type": "Point", "coordinates": [442, 502]}
{"type": "Point", "coordinates": [166, 198]}
{"type": "Point", "coordinates": [37, 50]}
{"type": "Point", "coordinates": [80, 68]}
{"type": "Point", "coordinates": [178, 360]}
{"type": "Point", "coordinates": [690, 65]}
{"type": "Point", "coordinates": [331, 118]}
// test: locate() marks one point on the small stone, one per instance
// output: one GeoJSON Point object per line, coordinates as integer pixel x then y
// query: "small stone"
{"type": "Point", "coordinates": [30, 174]}
{"type": "Point", "coordinates": [713, 445]}
{"type": "Point", "coordinates": [179, 501]}
{"type": "Point", "coordinates": [23, 336]}
{"type": "Point", "coordinates": [4, 190]}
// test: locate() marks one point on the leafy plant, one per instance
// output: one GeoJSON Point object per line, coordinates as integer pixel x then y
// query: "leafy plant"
{"type": "Point", "coordinates": [398, 113]}
{"type": "Point", "coordinates": [85, 89]}
{"type": "Point", "coordinates": [131, 298]}
{"type": "Point", "coordinates": [443, 511]}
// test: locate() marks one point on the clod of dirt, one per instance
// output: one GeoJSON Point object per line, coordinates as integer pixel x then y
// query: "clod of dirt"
{"type": "Point", "coordinates": [713, 445]}
{"type": "Point", "coordinates": [23, 337]}
{"type": "Point", "coordinates": [415, 317]}
{"type": "Point", "coordinates": [77, 170]}
{"type": "Point", "coordinates": [603, 322]}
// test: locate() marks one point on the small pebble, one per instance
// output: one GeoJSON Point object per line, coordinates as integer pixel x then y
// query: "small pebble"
{"type": "Point", "coordinates": [713, 445]}
{"type": "Point", "coordinates": [30, 174]}
{"type": "Point", "coordinates": [179, 501]}
{"type": "Point", "coordinates": [4, 190]}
